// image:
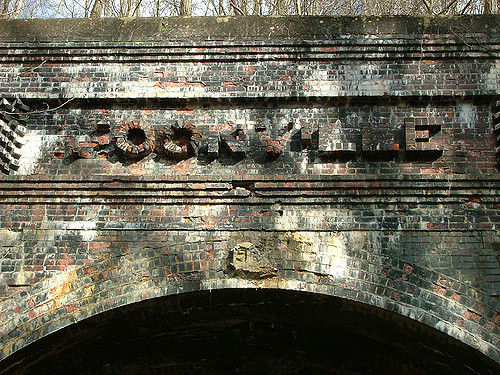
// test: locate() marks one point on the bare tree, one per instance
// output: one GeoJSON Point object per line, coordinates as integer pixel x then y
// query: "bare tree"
{"type": "Point", "coordinates": [97, 9]}
{"type": "Point", "coordinates": [160, 8]}
{"type": "Point", "coordinates": [5, 8]}
{"type": "Point", "coordinates": [186, 8]}
{"type": "Point", "coordinates": [491, 6]}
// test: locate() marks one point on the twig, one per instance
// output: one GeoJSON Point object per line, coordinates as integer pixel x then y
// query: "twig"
{"type": "Point", "coordinates": [444, 11]}
{"type": "Point", "coordinates": [137, 6]}
{"type": "Point", "coordinates": [427, 6]}
{"type": "Point", "coordinates": [480, 45]}
{"type": "Point", "coordinates": [40, 111]}
{"type": "Point", "coordinates": [466, 6]}
{"type": "Point", "coordinates": [236, 8]}
{"type": "Point", "coordinates": [36, 67]}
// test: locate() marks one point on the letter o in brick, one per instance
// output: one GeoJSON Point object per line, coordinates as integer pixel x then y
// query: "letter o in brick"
{"type": "Point", "coordinates": [179, 141]}
{"type": "Point", "coordinates": [133, 141]}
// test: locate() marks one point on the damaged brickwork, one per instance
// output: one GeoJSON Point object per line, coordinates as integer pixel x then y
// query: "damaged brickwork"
{"type": "Point", "coordinates": [348, 157]}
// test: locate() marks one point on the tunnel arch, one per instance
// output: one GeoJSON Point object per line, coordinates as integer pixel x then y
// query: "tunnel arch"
{"type": "Point", "coordinates": [248, 331]}
{"type": "Point", "coordinates": [73, 299]}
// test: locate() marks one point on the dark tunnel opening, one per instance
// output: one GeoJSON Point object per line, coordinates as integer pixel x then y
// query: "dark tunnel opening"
{"type": "Point", "coordinates": [244, 331]}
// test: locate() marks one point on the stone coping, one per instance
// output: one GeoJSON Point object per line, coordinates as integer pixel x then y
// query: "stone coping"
{"type": "Point", "coordinates": [247, 27]}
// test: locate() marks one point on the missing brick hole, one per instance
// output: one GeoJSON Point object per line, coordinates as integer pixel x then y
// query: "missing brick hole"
{"type": "Point", "coordinates": [248, 185]}
{"type": "Point", "coordinates": [136, 136]}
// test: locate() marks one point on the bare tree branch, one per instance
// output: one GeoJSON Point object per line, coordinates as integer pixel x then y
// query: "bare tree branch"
{"type": "Point", "coordinates": [237, 10]}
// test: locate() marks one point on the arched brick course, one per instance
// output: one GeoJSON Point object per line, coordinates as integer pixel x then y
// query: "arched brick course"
{"type": "Point", "coordinates": [412, 291]}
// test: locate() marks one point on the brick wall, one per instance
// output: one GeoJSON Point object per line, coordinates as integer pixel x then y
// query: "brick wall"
{"type": "Point", "coordinates": [354, 158]}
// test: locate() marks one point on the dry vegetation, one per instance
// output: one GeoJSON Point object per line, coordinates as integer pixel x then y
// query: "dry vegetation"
{"type": "Point", "coordinates": [160, 8]}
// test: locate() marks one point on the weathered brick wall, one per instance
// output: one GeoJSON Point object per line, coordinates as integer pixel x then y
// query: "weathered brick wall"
{"type": "Point", "coordinates": [345, 156]}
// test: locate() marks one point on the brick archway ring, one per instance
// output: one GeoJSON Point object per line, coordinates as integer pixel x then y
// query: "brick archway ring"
{"type": "Point", "coordinates": [79, 294]}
